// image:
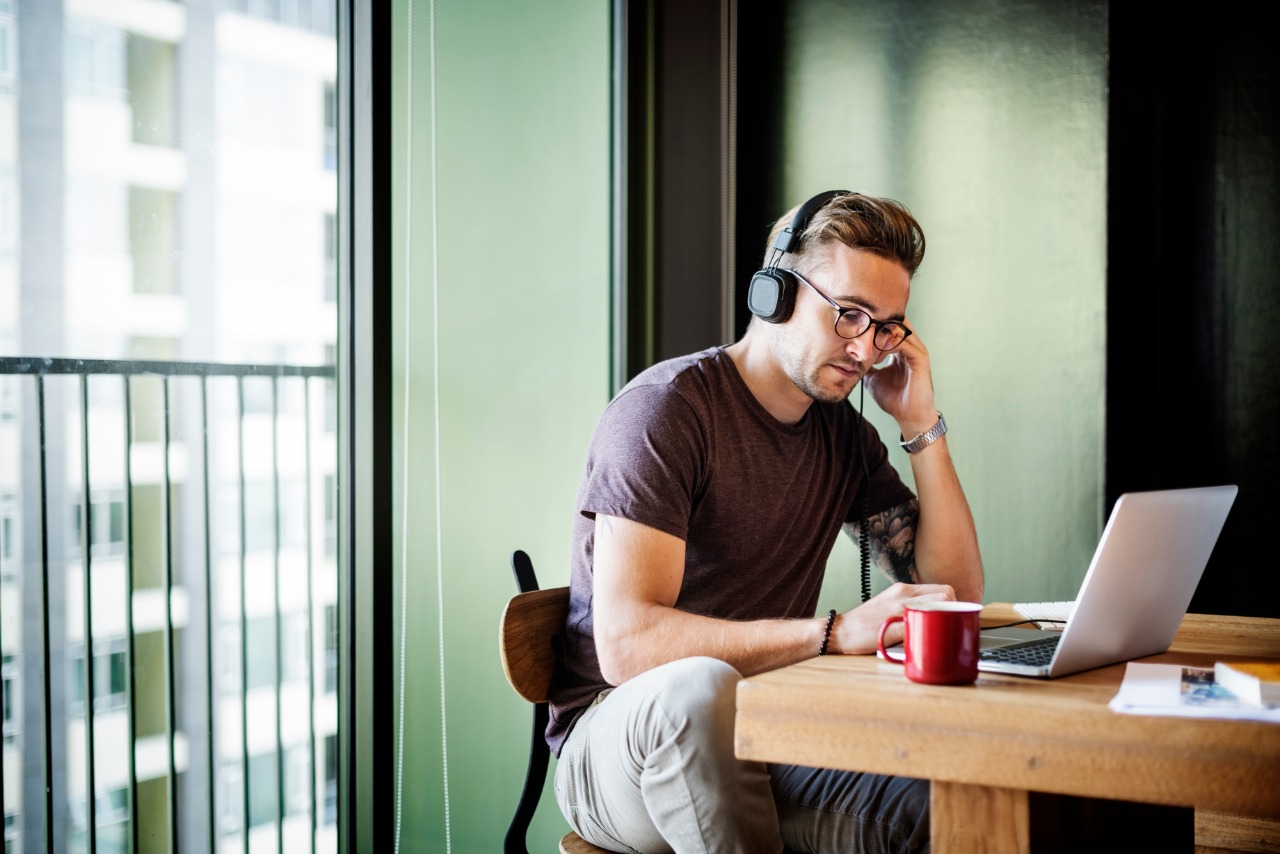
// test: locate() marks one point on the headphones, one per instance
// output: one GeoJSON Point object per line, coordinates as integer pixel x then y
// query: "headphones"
{"type": "Point", "coordinates": [772, 294]}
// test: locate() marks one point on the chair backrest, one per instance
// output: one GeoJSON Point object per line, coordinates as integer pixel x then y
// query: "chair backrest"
{"type": "Point", "coordinates": [529, 622]}
{"type": "Point", "coordinates": [526, 635]}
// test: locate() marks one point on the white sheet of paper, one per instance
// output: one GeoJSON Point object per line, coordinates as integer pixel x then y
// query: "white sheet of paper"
{"type": "Point", "coordinates": [1190, 692]}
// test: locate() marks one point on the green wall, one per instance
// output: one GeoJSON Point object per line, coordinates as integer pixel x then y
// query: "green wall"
{"type": "Point", "coordinates": [988, 119]}
{"type": "Point", "coordinates": [503, 367]}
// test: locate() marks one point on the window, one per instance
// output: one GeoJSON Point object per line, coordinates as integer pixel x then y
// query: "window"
{"type": "Point", "coordinates": [107, 524]}
{"type": "Point", "coordinates": [95, 61]}
{"type": "Point", "coordinates": [295, 646]}
{"type": "Point", "coordinates": [330, 258]}
{"type": "Point", "coordinates": [330, 127]}
{"type": "Point", "coordinates": [152, 82]}
{"type": "Point", "coordinates": [329, 812]}
{"type": "Point", "coordinates": [264, 800]}
{"type": "Point", "coordinates": [110, 679]}
{"type": "Point", "coordinates": [229, 799]}
{"type": "Point", "coordinates": [262, 658]}
{"type": "Point", "coordinates": [297, 780]}
{"type": "Point", "coordinates": [8, 202]}
{"type": "Point", "coordinates": [228, 659]}
{"type": "Point", "coordinates": [153, 241]}
{"type": "Point", "coordinates": [9, 550]}
{"type": "Point", "coordinates": [12, 700]}
{"type": "Point", "coordinates": [8, 59]}
{"type": "Point", "coordinates": [330, 649]}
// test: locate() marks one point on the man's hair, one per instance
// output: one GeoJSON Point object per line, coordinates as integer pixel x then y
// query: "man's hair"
{"type": "Point", "coordinates": [882, 226]}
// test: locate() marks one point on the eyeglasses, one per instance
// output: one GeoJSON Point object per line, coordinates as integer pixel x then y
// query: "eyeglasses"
{"type": "Point", "coordinates": [852, 322]}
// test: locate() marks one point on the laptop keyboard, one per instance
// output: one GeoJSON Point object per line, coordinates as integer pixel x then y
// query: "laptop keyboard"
{"type": "Point", "coordinates": [1037, 653]}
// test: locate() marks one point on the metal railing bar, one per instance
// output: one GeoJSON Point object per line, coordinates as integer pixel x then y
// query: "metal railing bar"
{"type": "Point", "coordinates": [244, 627]}
{"type": "Point", "coordinates": [170, 670]}
{"type": "Point", "coordinates": [208, 613]}
{"type": "Point", "coordinates": [275, 493]}
{"type": "Point", "coordinates": [131, 719]}
{"type": "Point", "coordinates": [3, 691]}
{"type": "Point", "coordinates": [46, 365]}
{"type": "Point", "coordinates": [311, 614]}
{"type": "Point", "coordinates": [44, 620]}
{"type": "Point", "coordinates": [86, 560]}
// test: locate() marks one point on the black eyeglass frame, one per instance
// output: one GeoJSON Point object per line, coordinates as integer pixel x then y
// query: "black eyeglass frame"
{"type": "Point", "coordinates": [841, 311]}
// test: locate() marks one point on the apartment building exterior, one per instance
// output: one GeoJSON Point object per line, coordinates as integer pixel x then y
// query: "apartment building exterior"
{"type": "Point", "coordinates": [168, 197]}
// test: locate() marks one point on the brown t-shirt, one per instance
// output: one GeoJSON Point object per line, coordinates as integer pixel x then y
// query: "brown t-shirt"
{"type": "Point", "coordinates": [686, 448]}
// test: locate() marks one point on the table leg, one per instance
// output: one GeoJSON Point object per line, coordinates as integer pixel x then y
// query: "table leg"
{"type": "Point", "coordinates": [979, 818]}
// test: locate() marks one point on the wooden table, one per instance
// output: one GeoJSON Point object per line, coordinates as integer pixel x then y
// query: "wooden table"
{"type": "Point", "coordinates": [986, 746]}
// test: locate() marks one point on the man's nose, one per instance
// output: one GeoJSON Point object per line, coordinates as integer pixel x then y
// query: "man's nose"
{"type": "Point", "coordinates": [863, 348]}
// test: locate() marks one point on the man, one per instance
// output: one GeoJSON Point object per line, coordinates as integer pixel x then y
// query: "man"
{"type": "Point", "coordinates": [714, 489]}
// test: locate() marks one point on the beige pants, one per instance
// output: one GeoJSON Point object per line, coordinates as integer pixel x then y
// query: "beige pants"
{"type": "Point", "coordinates": [649, 768]}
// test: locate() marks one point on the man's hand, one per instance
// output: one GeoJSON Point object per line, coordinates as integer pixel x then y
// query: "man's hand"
{"type": "Point", "coordinates": [855, 632]}
{"type": "Point", "coordinates": [902, 386]}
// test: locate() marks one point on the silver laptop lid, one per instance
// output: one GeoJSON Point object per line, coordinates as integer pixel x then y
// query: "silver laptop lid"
{"type": "Point", "coordinates": [1143, 574]}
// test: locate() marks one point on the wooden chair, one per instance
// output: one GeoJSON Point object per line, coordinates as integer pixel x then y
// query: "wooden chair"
{"type": "Point", "coordinates": [529, 622]}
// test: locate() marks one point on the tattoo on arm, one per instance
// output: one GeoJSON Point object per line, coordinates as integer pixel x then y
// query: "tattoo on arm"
{"type": "Point", "coordinates": [892, 537]}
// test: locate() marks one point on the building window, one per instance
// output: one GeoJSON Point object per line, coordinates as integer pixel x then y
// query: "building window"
{"type": "Point", "coordinates": [108, 524]}
{"type": "Point", "coordinates": [110, 679]}
{"type": "Point", "coordinates": [262, 663]}
{"type": "Point", "coordinates": [153, 240]}
{"type": "Point", "coordinates": [330, 649]}
{"type": "Point", "coordinates": [12, 700]}
{"type": "Point", "coordinates": [152, 80]}
{"type": "Point", "coordinates": [330, 258]}
{"type": "Point", "coordinates": [9, 549]}
{"type": "Point", "coordinates": [329, 810]}
{"type": "Point", "coordinates": [330, 127]}
{"type": "Point", "coordinates": [8, 52]}
{"type": "Point", "coordinates": [298, 780]}
{"type": "Point", "coordinates": [229, 799]}
{"type": "Point", "coordinates": [8, 204]}
{"type": "Point", "coordinates": [95, 61]}
{"type": "Point", "coordinates": [264, 801]}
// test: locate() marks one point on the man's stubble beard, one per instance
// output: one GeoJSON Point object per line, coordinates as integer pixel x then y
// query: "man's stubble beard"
{"type": "Point", "coordinates": [807, 382]}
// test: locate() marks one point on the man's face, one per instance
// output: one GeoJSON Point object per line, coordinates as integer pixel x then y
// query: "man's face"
{"type": "Point", "coordinates": [820, 363]}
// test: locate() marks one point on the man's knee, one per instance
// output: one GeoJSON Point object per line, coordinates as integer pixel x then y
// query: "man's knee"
{"type": "Point", "coordinates": [696, 685]}
{"type": "Point", "coordinates": [692, 695]}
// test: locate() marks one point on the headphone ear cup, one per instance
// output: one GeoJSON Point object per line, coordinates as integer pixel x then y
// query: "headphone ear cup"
{"type": "Point", "coordinates": [772, 295]}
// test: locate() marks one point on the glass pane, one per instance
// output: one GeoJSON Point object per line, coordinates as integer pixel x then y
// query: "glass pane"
{"type": "Point", "coordinates": [168, 210]}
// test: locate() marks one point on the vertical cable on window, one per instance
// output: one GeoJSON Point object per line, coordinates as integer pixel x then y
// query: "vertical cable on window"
{"type": "Point", "coordinates": [408, 363]}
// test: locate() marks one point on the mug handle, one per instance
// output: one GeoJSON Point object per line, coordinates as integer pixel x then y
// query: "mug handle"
{"type": "Point", "coordinates": [898, 618]}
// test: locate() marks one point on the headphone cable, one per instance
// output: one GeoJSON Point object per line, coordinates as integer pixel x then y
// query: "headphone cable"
{"type": "Point", "coordinates": [864, 523]}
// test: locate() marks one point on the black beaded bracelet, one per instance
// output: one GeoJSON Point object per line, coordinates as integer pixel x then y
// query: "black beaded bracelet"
{"type": "Point", "coordinates": [826, 633]}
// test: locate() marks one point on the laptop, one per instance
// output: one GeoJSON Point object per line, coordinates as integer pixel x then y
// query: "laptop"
{"type": "Point", "coordinates": [1144, 572]}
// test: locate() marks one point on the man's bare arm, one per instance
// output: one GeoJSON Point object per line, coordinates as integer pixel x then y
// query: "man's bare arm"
{"type": "Point", "coordinates": [891, 537]}
{"type": "Point", "coordinates": [638, 571]}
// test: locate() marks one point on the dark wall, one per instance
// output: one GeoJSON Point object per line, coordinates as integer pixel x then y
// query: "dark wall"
{"type": "Point", "coordinates": [1194, 276]}
{"type": "Point", "coordinates": [1193, 280]}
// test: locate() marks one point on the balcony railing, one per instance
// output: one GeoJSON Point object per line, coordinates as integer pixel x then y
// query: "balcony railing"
{"type": "Point", "coordinates": [167, 553]}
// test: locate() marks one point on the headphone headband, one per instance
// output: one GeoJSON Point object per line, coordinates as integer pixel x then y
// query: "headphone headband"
{"type": "Point", "coordinates": [790, 236]}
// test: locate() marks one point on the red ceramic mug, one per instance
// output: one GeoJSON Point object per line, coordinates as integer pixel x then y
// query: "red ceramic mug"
{"type": "Point", "coordinates": [941, 642]}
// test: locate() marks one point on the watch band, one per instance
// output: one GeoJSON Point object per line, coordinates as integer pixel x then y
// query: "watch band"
{"type": "Point", "coordinates": [926, 438]}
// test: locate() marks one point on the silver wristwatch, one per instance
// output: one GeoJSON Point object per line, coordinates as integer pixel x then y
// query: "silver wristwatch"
{"type": "Point", "coordinates": [926, 438]}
